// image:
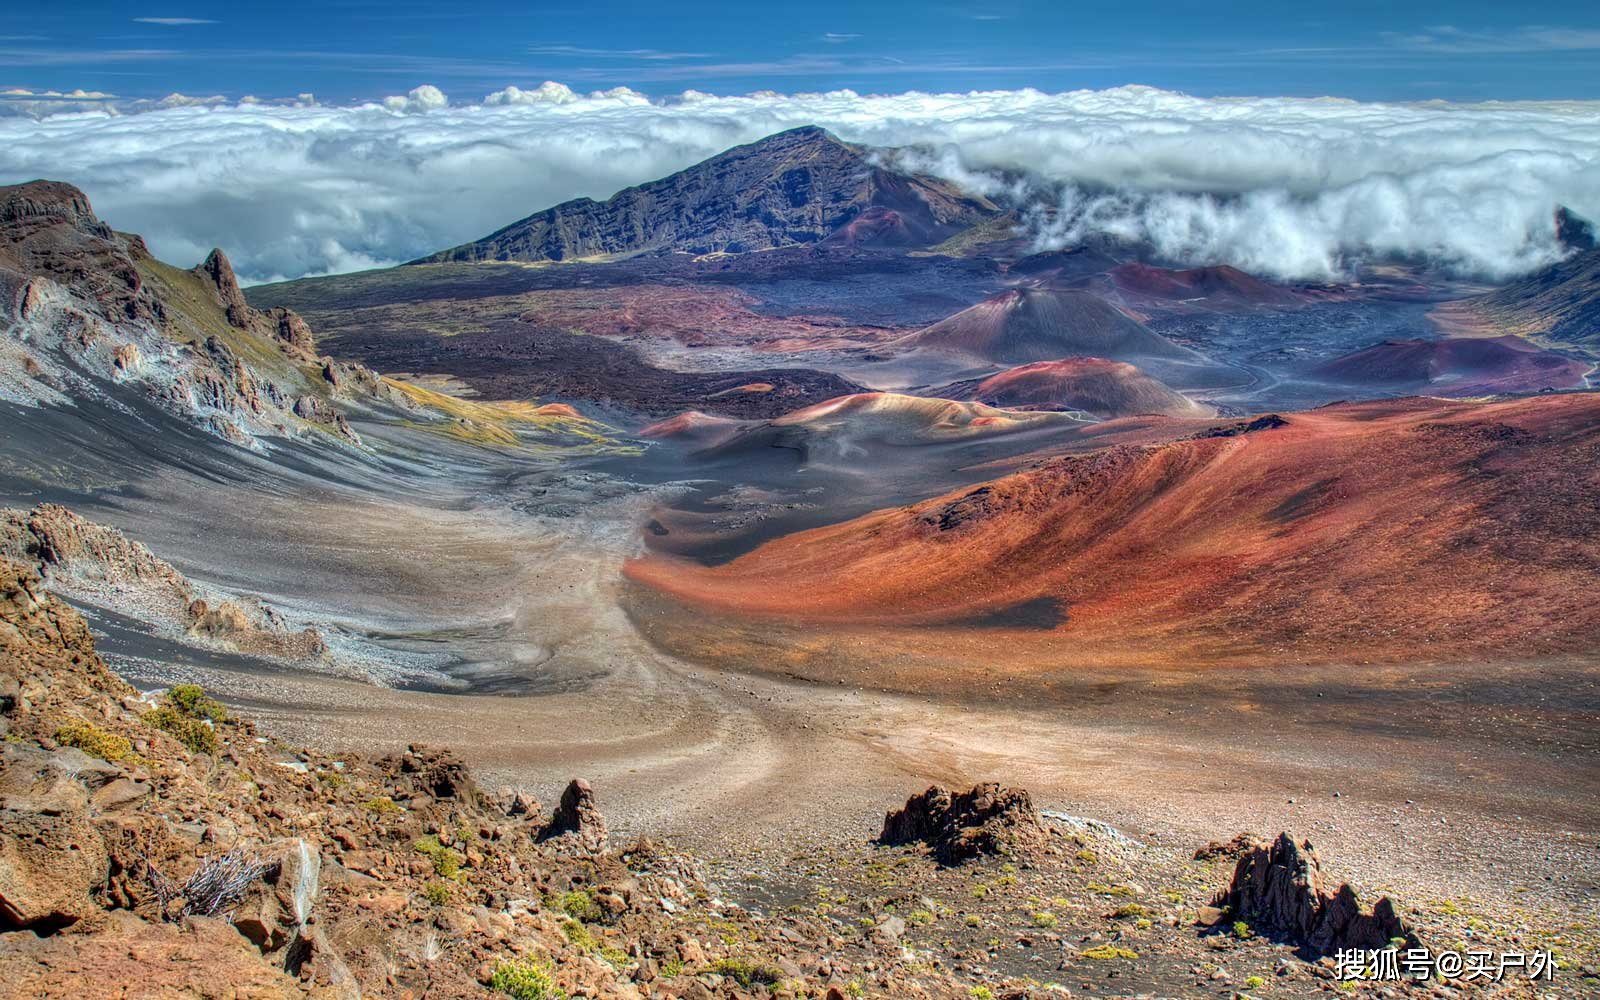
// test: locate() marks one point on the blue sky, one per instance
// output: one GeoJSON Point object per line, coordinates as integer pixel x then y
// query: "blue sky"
{"type": "Point", "coordinates": [364, 49]}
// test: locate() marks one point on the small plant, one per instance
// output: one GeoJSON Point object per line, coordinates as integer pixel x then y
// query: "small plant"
{"type": "Point", "coordinates": [1109, 890]}
{"type": "Point", "coordinates": [1127, 910]}
{"type": "Point", "coordinates": [195, 734]}
{"type": "Point", "coordinates": [919, 918]}
{"type": "Point", "coordinates": [1143, 924]}
{"type": "Point", "coordinates": [1106, 952]}
{"type": "Point", "coordinates": [333, 779]}
{"type": "Point", "coordinates": [1242, 931]}
{"type": "Point", "coordinates": [854, 988]}
{"type": "Point", "coordinates": [980, 890]}
{"type": "Point", "coordinates": [981, 993]}
{"type": "Point", "coordinates": [446, 862]}
{"type": "Point", "coordinates": [1044, 919]}
{"type": "Point", "coordinates": [381, 805]}
{"type": "Point", "coordinates": [672, 968]}
{"type": "Point", "coordinates": [747, 973]}
{"type": "Point", "coordinates": [93, 740]}
{"type": "Point", "coordinates": [578, 935]}
{"type": "Point", "coordinates": [579, 904]}
{"type": "Point", "coordinates": [1254, 983]}
{"type": "Point", "coordinates": [526, 980]}
{"type": "Point", "coordinates": [1088, 857]}
{"type": "Point", "coordinates": [436, 893]}
{"type": "Point", "coordinates": [216, 884]}
{"type": "Point", "coordinates": [973, 920]}
{"type": "Point", "coordinates": [191, 701]}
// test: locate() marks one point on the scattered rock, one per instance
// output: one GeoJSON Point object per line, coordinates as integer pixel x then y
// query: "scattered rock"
{"type": "Point", "coordinates": [1240, 845]}
{"type": "Point", "coordinates": [1280, 890]}
{"type": "Point", "coordinates": [988, 819]}
{"type": "Point", "coordinates": [577, 817]}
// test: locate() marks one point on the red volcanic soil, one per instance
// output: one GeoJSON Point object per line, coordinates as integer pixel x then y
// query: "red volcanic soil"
{"type": "Point", "coordinates": [1461, 366]}
{"type": "Point", "coordinates": [1222, 288]}
{"type": "Point", "coordinates": [1416, 529]}
{"type": "Point", "coordinates": [693, 427]}
{"type": "Point", "coordinates": [1035, 324]}
{"type": "Point", "coordinates": [1099, 386]}
{"type": "Point", "coordinates": [885, 227]}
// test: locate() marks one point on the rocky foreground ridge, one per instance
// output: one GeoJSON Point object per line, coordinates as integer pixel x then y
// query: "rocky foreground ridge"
{"type": "Point", "coordinates": [82, 305]}
{"type": "Point", "coordinates": [158, 845]}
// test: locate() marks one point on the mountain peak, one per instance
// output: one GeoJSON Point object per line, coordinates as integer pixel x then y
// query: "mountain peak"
{"type": "Point", "coordinates": [798, 187]}
{"type": "Point", "coordinates": [1573, 231]}
{"type": "Point", "coordinates": [48, 202]}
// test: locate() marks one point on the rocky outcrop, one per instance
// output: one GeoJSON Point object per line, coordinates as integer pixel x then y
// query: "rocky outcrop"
{"type": "Point", "coordinates": [100, 565]}
{"type": "Point", "coordinates": [77, 300]}
{"type": "Point", "coordinates": [577, 821]}
{"type": "Point", "coordinates": [1281, 891]}
{"type": "Point", "coordinates": [1241, 845]}
{"type": "Point", "coordinates": [960, 826]}
{"type": "Point", "coordinates": [218, 270]}
{"type": "Point", "coordinates": [794, 188]}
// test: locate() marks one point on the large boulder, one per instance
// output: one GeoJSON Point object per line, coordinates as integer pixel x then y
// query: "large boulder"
{"type": "Point", "coordinates": [52, 858]}
{"type": "Point", "coordinates": [1281, 891]}
{"type": "Point", "coordinates": [577, 820]}
{"type": "Point", "coordinates": [958, 826]}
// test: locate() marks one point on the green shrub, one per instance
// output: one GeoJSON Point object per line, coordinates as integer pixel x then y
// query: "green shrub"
{"type": "Point", "coordinates": [919, 918]}
{"type": "Point", "coordinates": [1254, 983]}
{"type": "Point", "coordinates": [1242, 931]}
{"type": "Point", "coordinates": [1106, 952]}
{"type": "Point", "coordinates": [1044, 918]}
{"type": "Point", "coordinates": [436, 893]}
{"type": "Point", "coordinates": [93, 740]}
{"type": "Point", "coordinates": [381, 805]}
{"type": "Point", "coordinates": [579, 904]}
{"type": "Point", "coordinates": [1127, 910]}
{"type": "Point", "coordinates": [746, 972]}
{"type": "Point", "coordinates": [1088, 857]}
{"type": "Point", "coordinates": [672, 968]}
{"type": "Point", "coordinates": [446, 862]}
{"type": "Point", "coordinates": [192, 733]}
{"type": "Point", "coordinates": [578, 935]}
{"type": "Point", "coordinates": [526, 980]}
{"type": "Point", "coordinates": [981, 993]}
{"type": "Point", "coordinates": [191, 701]}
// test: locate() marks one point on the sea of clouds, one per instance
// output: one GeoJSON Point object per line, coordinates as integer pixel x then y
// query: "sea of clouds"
{"type": "Point", "coordinates": [1289, 188]}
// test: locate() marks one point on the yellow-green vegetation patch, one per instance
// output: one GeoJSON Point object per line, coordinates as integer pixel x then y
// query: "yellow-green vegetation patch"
{"type": "Point", "coordinates": [381, 805]}
{"type": "Point", "coordinates": [748, 972]}
{"type": "Point", "coordinates": [1107, 952]}
{"type": "Point", "coordinates": [93, 740]}
{"type": "Point", "coordinates": [446, 862]}
{"type": "Point", "coordinates": [192, 733]}
{"type": "Point", "coordinates": [1127, 910]}
{"type": "Point", "coordinates": [526, 979]}
{"type": "Point", "coordinates": [578, 904]}
{"type": "Point", "coordinates": [502, 423]}
{"type": "Point", "coordinates": [1045, 919]}
{"type": "Point", "coordinates": [436, 893]}
{"type": "Point", "coordinates": [192, 701]}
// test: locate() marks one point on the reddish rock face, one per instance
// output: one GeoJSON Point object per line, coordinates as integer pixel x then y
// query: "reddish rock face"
{"type": "Point", "coordinates": [577, 817]}
{"type": "Point", "coordinates": [1280, 890]}
{"type": "Point", "coordinates": [960, 826]}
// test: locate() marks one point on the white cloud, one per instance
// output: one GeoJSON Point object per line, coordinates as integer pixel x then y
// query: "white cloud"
{"type": "Point", "coordinates": [1291, 188]}
{"type": "Point", "coordinates": [421, 99]}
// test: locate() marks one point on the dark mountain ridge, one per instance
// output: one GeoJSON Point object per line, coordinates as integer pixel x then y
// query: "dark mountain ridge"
{"type": "Point", "coordinates": [794, 188]}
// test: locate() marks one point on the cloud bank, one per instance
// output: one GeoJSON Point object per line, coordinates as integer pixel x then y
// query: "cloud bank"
{"type": "Point", "coordinates": [1295, 189]}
